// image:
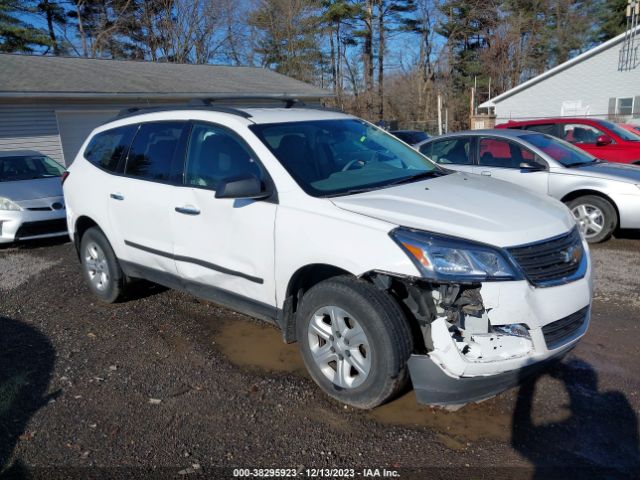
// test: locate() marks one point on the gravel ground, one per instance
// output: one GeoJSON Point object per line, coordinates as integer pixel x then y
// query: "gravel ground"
{"type": "Point", "coordinates": [164, 384]}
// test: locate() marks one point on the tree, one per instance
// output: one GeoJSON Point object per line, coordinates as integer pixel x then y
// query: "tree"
{"type": "Point", "coordinates": [54, 15]}
{"type": "Point", "coordinates": [16, 34]}
{"type": "Point", "coordinates": [613, 19]}
{"type": "Point", "coordinates": [289, 37]}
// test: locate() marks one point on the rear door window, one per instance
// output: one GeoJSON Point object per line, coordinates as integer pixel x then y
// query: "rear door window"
{"type": "Point", "coordinates": [455, 151]}
{"type": "Point", "coordinates": [548, 128]}
{"type": "Point", "coordinates": [107, 149]}
{"type": "Point", "coordinates": [155, 150]}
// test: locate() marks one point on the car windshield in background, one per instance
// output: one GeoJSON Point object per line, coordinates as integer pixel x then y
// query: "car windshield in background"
{"type": "Point", "coordinates": [621, 132]}
{"type": "Point", "coordinates": [340, 157]}
{"type": "Point", "coordinates": [560, 151]}
{"type": "Point", "coordinates": [18, 168]}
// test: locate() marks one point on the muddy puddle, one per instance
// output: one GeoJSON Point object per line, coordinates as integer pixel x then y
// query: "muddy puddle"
{"type": "Point", "coordinates": [260, 346]}
{"type": "Point", "coordinates": [252, 345]}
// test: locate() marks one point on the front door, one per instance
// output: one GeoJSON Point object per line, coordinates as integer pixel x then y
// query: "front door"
{"type": "Point", "coordinates": [224, 244]}
{"type": "Point", "coordinates": [502, 159]}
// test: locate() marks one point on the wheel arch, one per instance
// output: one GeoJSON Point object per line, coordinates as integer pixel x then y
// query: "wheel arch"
{"type": "Point", "coordinates": [83, 223]}
{"type": "Point", "coordinates": [585, 191]}
{"type": "Point", "coordinates": [301, 281]}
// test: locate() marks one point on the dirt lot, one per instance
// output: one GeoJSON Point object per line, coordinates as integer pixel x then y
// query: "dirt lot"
{"type": "Point", "coordinates": [166, 385]}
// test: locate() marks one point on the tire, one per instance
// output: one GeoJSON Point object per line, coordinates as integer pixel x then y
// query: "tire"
{"type": "Point", "coordinates": [596, 217]}
{"type": "Point", "coordinates": [100, 267]}
{"type": "Point", "coordinates": [366, 328]}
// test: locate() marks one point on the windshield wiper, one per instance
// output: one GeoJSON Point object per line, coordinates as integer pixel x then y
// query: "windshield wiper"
{"type": "Point", "coordinates": [418, 176]}
{"type": "Point", "coordinates": [578, 164]}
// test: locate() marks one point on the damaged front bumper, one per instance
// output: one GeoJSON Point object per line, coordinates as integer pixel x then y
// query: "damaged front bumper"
{"type": "Point", "coordinates": [482, 339]}
{"type": "Point", "coordinates": [434, 387]}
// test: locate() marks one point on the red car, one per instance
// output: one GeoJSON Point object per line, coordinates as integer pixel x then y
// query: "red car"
{"type": "Point", "coordinates": [602, 139]}
{"type": "Point", "coordinates": [632, 128]}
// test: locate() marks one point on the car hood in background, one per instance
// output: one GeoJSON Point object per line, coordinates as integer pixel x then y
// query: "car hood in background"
{"type": "Point", "coordinates": [31, 189]}
{"type": "Point", "coordinates": [467, 206]}
{"type": "Point", "coordinates": [607, 170]}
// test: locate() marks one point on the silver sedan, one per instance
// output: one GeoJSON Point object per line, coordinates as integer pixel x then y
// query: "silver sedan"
{"type": "Point", "coordinates": [31, 201]}
{"type": "Point", "coordinates": [602, 196]}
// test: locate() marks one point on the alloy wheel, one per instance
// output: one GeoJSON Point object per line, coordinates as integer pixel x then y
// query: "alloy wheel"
{"type": "Point", "coordinates": [339, 347]}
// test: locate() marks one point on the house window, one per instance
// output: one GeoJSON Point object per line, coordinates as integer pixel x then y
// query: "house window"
{"type": "Point", "coordinates": [625, 106]}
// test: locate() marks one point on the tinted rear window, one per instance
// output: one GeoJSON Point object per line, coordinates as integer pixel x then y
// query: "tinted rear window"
{"type": "Point", "coordinates": [548, 128]}
{"type": "Point", "coordinates": [151, 154]}
{"type": "Point", "coordinates": [106, 149]}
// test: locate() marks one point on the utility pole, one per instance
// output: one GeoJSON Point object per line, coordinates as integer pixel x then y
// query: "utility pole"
{"type": "Point", "coordinates": [439, 114]}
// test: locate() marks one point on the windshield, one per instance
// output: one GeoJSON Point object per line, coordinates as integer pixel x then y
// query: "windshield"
{"type": "Point", "coordinates": [28, 168]}
{"type": "Point", "coordinates": [619, 131]}
{"type": "Point", "coordinates": [339, 157]}
{"type": "Point", "coordinates": [559, 150]}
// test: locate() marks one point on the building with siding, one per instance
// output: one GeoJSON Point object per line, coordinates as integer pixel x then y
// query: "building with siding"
{"type": "Point", "coordinates": [603, 82]}
{"type": "Point", "coordinates": [51, 104]}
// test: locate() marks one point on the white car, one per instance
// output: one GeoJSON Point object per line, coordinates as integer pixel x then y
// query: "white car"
{"type": "Point", "coordinates": [31, 201]}
{"type": "Point", "coordinates": [379, 263]}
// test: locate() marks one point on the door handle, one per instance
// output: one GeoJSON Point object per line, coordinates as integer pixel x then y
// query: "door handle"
{"type": "Point", "coordinates": [188, 210]}
{"type": "Point", "coordinates": [117, 196]}
{"type": "Point", "coordinates": [486, 173]}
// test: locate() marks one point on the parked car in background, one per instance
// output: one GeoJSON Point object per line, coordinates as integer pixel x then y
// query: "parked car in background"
{"type": "Point", "coordinates": [602, 139]}
{"type": "Point", "coordinates": [31, 201]}
{"type": "Point", "coordinates": [632, 128]}
{"type": "Point", "coordinates": [377, 261]}
{"type": "Point", "coordinates": [601, 195]}
{"type": "Point", "coordinates": [412, 137]}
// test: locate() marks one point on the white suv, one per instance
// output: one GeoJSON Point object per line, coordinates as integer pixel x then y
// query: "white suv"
{"type": "Point", "coordinates": [379, 263]}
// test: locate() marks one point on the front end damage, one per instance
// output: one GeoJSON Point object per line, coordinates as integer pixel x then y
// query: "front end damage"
{"type": "Point", "coordinates": [476, 340]}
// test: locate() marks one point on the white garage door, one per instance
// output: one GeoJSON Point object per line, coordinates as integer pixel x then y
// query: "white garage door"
{"type": "Point", "coordinates": [75, 126]}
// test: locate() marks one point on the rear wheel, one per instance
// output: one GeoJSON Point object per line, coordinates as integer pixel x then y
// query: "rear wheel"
{"type": "Point", "coordinates": [100, 266]}
{"type": "Point", "coordinates": [354, 340]}
{"type": "Point", "coordinates": [596, 217]}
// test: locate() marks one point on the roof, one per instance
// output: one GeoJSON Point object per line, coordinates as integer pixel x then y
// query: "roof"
{"type": "Point", "coordinates": [67, 77]}
{"type": "Point", "coordinates": [557, 69]}
{"type": "Point", "coordinates": [498, 132]}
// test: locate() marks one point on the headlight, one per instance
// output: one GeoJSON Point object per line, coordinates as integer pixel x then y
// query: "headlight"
{"type": "Point", "coordinates": [451, 259]}
{"type": "Point", "coordinates": [6, 204]}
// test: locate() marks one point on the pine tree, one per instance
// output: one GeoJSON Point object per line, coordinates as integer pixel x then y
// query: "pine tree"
{"type": "Point", "coordinates": [16, 34]}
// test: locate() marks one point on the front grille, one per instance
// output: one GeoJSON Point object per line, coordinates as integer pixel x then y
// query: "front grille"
{"type": "Point", "coordinates": [550, 261]}
{"type": "Point", "coordinates": [557, 332]}
{"type": "Point", "coordinates": [39, 209]}
{"type": "Point", "coordinates": [33, 229]}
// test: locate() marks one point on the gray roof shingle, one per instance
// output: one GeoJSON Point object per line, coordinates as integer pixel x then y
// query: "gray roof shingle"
{"type": "Point", "coordinates": [42, 76]}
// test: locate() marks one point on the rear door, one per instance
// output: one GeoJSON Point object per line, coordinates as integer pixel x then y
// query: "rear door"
{"type": "Point", "coordinates": [141, 204]}
{"type": "Point", "coordinates": [455, 153]}
{"type": "Point", "coordinates": [501, 158]}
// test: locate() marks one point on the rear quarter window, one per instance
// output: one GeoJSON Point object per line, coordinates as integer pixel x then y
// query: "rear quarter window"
{"type": "Point", "coordinates": [107, 149]}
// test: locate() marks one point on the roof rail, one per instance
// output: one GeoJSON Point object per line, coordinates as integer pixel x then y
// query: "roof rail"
{"type": "Point", "coordinates": [216, 104]}
{"type": "Point", "coordinates": [127, 112]}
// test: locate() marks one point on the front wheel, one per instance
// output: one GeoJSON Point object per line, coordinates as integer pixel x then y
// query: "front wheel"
{"type": "Point", "coordinates": [596, 217]}
{"type": "Point", "coordinates": [355, 341]}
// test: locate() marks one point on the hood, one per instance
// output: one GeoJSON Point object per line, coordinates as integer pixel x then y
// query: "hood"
{"type": "Point", "coordinates": [466, 206]}
{"type": "Point", "coordinates": [31, 189]}
{"type": "Point", "coordinates": [610, 171]}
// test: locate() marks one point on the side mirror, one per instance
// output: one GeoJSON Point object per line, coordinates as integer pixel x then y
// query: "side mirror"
{"type": "Point", "coordinates": [242, 186]}
{"type": "Point", "coordinates": [604, 140]}
{"type": "Point", "coordinates": [531, 166]}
